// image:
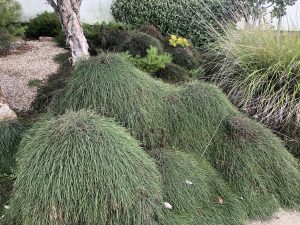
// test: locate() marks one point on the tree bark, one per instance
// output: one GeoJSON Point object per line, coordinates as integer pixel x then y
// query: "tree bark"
{"type": "Point", "coordinates": [69, 13]}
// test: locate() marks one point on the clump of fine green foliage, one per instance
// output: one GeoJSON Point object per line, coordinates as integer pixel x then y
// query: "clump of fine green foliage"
{"type": "Point", "coordinates": [6, 187]}
{"type": "Point", "coordinates": [196, 118]}
{"type": "Point", "coordinates": [85, 170]}
{"type": "Point", "coordinates": [190, 18]}
{"type": "Point", "coordinates": [45, 24]}
{"type": "Point", "coordinates": [10, 12]}
{"type": "Point", "coordinates": [172, 73]}
{"type": "Point", "coordinates": [138, 43]}
{"type": "Point", "coordinates": [106, 36]}
{"type": "Point", "coordinates": [259, 68]}
{"type": "Point", "coordinates": [152, 31]}
{"type": "Point", "coordinates": [196, 191]}
{"type": "Point", "coordinates": [10, 137]}
{"type": "Point", "coordinates": [187, 57]}
{"type": "Point", "coordinates": [152, 62]}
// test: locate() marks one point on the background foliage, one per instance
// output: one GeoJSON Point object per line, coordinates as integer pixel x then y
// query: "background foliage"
{"type": "Point", "coordinates": [188, 18]}
{"type": "Point", "coordinates": [10, 11]}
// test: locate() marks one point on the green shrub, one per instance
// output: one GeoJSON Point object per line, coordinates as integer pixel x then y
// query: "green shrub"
{"type": "Point", "coordinates": [196, 118]}
{"type": "Point", "coordinates": [188, 18]}
{"type": "Point", "coordinates": [187, 57]}
{"type": "Point", "coordinates": [10, 11]}
{"type": "Point", "coordinates": [259, 69]}
{"type": "Point", "coordinates": [152, 31]}
{"type": "Point", "coordinates": [194, 188]}
{"type": "Point", "coordinates": [5, 41]}
{"type": "Point", "coordinates": [152, 62]}
{"type": "Point", "coordinates": [45, 24]}
{"type": "Point", "coordinates": [10, 136]}
{"type": "Point", "coordinates": [138, 43]}
{"type": "Point", "coordinates": [85, 170]}
{"type": "Point", "coordinates": [60, 39]}
{"type": "Point", "coordinates": [172, 73]}
{"type": "Point", "coordinates": [106, 36]}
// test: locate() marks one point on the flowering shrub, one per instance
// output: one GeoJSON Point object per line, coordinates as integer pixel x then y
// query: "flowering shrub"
{"type": "Point", "coordinates": [178, 41]}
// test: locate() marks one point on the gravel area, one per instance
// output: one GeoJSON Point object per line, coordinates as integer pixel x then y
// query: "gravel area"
{"type": "Point", "coordinates": [281, 218]}
{"type": "Point", "coordinates": [32, 61]}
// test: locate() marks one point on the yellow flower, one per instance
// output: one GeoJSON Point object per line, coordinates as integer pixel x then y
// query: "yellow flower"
{"type": "Point", "coordinates": [186, 42]}
{"type": "Point", "coordinates": [180, 41]}
{"type": "Point", "coordinates": [173, 37]}
{"type": "Point", "coordinates": [173, 42]}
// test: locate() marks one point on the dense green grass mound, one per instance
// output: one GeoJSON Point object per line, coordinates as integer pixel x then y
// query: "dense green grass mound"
{"type": "Point", "coordinates": [138, 43]}
{"type": "Point", "coordinates": [196, 192]}
{"type": "Point", "coordinates": [197, 118]}
{"type": "Point", "coordinates": [6, 186]}
{"type": "Point", "coordinates": [85, 170]}
{"type": "Point", "coordinates": [10, 136]}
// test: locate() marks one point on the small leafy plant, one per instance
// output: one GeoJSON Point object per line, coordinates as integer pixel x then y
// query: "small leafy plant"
{"type": "Point", "coordinates": [34, 83]}
{"type": "Point", "coordinates": [153, 61]}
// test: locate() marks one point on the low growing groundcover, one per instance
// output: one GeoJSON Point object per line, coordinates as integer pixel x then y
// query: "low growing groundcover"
{"type": "Point", "coordinates": [183, 146]}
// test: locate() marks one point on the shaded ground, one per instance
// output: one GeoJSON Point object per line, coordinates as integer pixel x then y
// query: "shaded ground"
{"type": "Point", "coordinates": [33, 61]}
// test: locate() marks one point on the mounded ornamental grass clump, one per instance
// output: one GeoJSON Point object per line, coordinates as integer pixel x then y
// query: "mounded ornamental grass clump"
{"type": "Point", "coordinates": [259, 68]}
{"type": "Point", "coordinates": [6, 186]}
{"type": "Point", "coordinates": [152, 31]}
{"type": "Point", "coordinates": [10, 136]}
{"type": "Point", "coordinates": [195, 117]}
{"type": "Point", "coordinates": [172, 73]}
{"type": "Point", "coordinates": [187, 57]}
{"type": "Point", "coordinates": [85, 170]}
{"type": "Point", "coordinates": [138, 43]}
{"type": "Point", "coordinates": [196, 192]}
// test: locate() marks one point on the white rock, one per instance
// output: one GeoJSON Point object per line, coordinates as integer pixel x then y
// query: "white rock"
{"type": "Point", "coordinates": [188, 182]}
{"type": "Point", "coordinates": [7, 207]}
{"type": "Point", "coordinates": [168, 205]}
{"type": "Point", "coordinates": [6, 113]}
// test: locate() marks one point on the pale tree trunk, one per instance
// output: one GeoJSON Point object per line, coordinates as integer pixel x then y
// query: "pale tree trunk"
{"type": "Point", "coordinates": [69, 13]}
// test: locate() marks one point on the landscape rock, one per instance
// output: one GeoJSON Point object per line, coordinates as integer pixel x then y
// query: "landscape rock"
{"type": "Point", "coordinates": [5, 112]}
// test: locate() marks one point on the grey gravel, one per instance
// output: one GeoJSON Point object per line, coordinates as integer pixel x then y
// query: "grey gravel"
{"type": "Point", "coordinates": [33, 61]}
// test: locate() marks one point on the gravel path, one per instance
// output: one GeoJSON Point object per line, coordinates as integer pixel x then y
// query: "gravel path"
{"type": "Point", "coordinates": [281, 218]}
{"type": "Point", "coordinates": [35, 62]}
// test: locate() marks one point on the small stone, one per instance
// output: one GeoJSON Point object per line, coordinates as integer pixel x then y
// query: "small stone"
{"type": "Point", "coordinates": [188, 182]}
{"type": "Point", "coordinates": [168, 205]}
{"type": "Point", "coordinates": [45, 39]}
{"type": "Point", "coordinates": [6, 113]}
{"type": "Point", "coordinates": [220, 200]}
